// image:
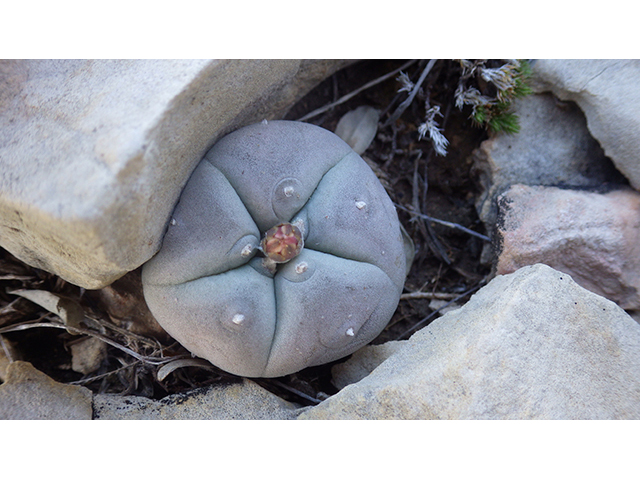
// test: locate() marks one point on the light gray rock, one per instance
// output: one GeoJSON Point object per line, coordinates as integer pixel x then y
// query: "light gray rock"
{"type": "Point", "coordinates": [237, 401]}
{"type": "Point", "coordinates": [87, 355]}
{"type": "Point", "coordinates": [594, 237]}
{"type": "Point", "coordinates": [554, 147]}
{"type": "Point", "coordinates": [29, 394]}
{"type": "Point", "coordinates": [4, 363]}
{"type": "Point", "coordinates": [358, 128]}
{"type": "Point", "coordinates": [362, 363]}
{"type": "Point", "coordinates": [94, 153]}
{"type": "Point", "coordinates": [608, 93]}
{"type": "Point", "coordinates": [8, 353]}
{"type": "Point", "coordinates": [529, 345]}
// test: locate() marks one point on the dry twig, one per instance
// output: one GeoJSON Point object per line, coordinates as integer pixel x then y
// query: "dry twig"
{"type": "Point", "coordinates": [428, 295]}
{"type": "Point", "coordinates": [445, 223]}
{"type": "Point", "coordinates": [404, 105]}
{"type": "Point", "coordinates": [82, 331]}
{"type": "Point", "coordinates": [295, 391]}
{"type": "Point", "coordinates": [349, 96]}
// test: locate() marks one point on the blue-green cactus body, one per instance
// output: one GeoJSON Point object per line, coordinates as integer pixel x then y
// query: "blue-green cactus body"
{"type": "Point", "coordinates": [209, 285]}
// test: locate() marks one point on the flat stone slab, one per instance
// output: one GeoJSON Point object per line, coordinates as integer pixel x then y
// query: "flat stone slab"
{"type": "Point", "coordinates": [237, 401]}
{"type": "Point", "coordinates": [529, 345]}
{"type": "Point", "coordinates": [29, 394]}
{"type": "Point", "coordinates": [362, 363]}
{"type": "Point", "coordinates": [94, 153]}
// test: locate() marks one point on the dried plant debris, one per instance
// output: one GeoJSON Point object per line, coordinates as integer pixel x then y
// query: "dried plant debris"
{"type": "Point", "coordinates": [65, 333]}
{"type": "Point", "coordinates": [489, 88]}
{"type": "Point", "coordinates": [424, 109]}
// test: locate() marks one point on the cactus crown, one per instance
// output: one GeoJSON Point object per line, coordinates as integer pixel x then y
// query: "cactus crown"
{"type": "Point", "coordinates": [280, 244]}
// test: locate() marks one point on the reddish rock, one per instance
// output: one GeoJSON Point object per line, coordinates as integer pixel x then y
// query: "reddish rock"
{"type": "Point", "coordinates": [594, 237]}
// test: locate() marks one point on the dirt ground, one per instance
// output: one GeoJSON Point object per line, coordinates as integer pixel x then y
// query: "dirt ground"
{"type": "Point", "coordinates": [446, 267]}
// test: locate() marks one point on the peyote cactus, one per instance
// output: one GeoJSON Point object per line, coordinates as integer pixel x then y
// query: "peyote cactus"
{"type": "Point", "coordinates": [283, 252]}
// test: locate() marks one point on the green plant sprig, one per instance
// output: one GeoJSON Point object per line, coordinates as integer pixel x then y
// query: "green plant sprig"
{"type": "Point", "coordinates": [496, 115]}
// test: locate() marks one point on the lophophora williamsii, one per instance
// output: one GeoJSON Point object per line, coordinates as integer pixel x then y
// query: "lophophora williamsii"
{"type": "Point", "coordinates": [283, 252]}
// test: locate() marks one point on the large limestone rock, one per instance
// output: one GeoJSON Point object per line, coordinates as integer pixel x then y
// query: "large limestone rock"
{"type": "Point", "coordinates": [94, 154]}
{"type": "Point", "coordinates": [608, 93]}
{"type": "Point", "coordinates": [29, 394]}
{"type": "Point", "coordinates": [529, 345]}
{"type": "Point", "coordinates": [363, 362]}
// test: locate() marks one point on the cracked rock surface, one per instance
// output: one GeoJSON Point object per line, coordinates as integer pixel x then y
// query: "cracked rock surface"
{"type": "Point", "coordinates": [607, 91]}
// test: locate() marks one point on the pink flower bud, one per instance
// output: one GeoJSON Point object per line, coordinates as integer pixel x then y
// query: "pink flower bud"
{"type": "Point", "coordinates": [282, 242]}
